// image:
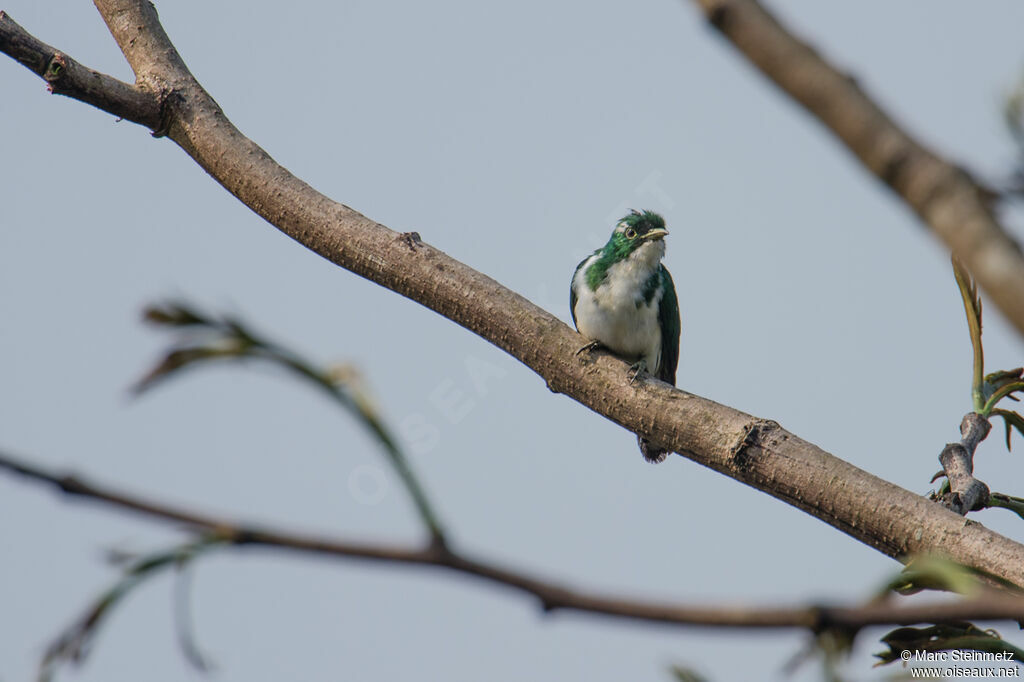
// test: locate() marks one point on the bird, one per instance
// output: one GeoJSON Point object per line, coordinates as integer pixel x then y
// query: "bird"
{"type": "Point", "coordinates": [622, 298]}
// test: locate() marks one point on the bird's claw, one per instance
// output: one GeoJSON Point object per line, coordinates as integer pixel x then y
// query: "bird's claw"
{"type": "Point", "coordinates": [636, 369]}
{"type": "Point", "coordinates": [410, 239]}
{"type": "Point", "coordinates": [589, 347]}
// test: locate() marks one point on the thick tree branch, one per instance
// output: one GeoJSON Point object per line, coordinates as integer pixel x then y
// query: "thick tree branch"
{"type": "Point", "coordinates": [944, 196]}
{"type": "Point", "coordinates": [989, 605]}
{"type": "Point", "coordinates": [755, 451]}
{"type": "Point", "coordinates": [65, 76]}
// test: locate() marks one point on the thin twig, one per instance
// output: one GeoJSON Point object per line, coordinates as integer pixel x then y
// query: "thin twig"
{"type": "Point", "coordinates": [204, 338]}
{"type": "Point", "coordinates": [552, 596]}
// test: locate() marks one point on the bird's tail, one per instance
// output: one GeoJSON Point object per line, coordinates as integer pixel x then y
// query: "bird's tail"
{"type": "Point", "coordinates": [651, 453]}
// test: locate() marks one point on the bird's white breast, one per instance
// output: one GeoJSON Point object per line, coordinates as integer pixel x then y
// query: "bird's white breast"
{"type": "Point", "coordinates": [616, 314]}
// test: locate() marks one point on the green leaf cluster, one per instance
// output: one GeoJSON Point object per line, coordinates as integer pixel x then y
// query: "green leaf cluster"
{"type": "Point", "coordinates": [987, 390]}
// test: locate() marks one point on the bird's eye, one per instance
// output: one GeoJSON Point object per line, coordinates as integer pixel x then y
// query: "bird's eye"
{"type": "Point", "coordinates": [630, 233]}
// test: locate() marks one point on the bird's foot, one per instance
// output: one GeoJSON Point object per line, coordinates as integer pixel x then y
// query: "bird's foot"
{"type": "Point", "coordinates": [410, 239]}
{"type": "Point", "coordinates": [636, 369]}
{"type": "Point", "coordinates": [589, 347]}
{"type": "Point", "coordinates": [651, 453]}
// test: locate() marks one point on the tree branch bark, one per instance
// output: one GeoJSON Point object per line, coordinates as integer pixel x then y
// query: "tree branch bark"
{"type": "Point", "coordinates": [755, 451]}
{"type": "Point", "coordinates": [945, 197]}
{"type": "Point", "coordinates": [65, 76]}
{"type": "Point", "coordinates": [989, 605]}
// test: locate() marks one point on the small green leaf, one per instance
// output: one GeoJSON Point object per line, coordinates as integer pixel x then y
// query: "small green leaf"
{"type": "Point", "coordinates": [931, 572]}
{"type": "Point", "coordinates": [1004, 376]}
{"type": "Point", "coordinates": [949, 637]}
{"type": "Point", "coordinates": [54, 70]}
{"type": "Point", "coordinates": [178, 359]}
{"type": "Point", "coordinates": [972, 307]}
{"type": "Point", "coordinates": [1003, 384]}
{"type": "Point", "coordinates": [685, 674]}
{"type": "Point", "coordinates": [174, 314]}
{"type": "Point", "coordinates": [1011, 420]}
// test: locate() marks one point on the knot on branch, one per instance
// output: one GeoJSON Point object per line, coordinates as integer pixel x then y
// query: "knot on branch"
{"type": "Point", "coordinates": [966, 493]}
{"type": "Point", "coordinates": [719, 16]}
{"type": "Point", "coordinates": [756, 436]}
{"type": "Point", "coordinates": [71, 485]}
{"type": "Point", "coordinates": [55, 71]}
{"type": "Point", "coordinates": [974, 428]}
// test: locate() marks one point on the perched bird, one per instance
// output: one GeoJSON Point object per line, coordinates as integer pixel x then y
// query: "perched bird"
{"type": "Point", "coordinates": [623, 298]}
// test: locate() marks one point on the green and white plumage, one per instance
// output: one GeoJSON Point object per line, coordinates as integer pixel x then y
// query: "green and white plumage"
{"type": "Point", "coordinates": [623, 298]}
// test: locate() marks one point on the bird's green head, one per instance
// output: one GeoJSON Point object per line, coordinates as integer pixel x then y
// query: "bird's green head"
{"type": "Point", "coordinates": [633, 231]}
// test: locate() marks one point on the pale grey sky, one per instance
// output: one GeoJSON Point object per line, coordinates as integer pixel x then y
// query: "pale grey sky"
{"type": "Point", "coordinates": [510, 136]}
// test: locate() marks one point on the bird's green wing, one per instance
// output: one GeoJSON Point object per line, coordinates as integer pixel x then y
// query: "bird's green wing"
{"type": "Point", "coordinates": [572, 291]}
{"type": "Point", "coordinates": [668, 320]}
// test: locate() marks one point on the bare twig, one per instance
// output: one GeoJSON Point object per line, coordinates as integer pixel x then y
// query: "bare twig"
{"type": "Point", "coordinates": [215, 532]}
{"type": "Point", "coordinates": [755, 451]}
{"type": "Point", "coordinates": [946, 198]}
{"type": "Point", "coordinates": [74, 642]}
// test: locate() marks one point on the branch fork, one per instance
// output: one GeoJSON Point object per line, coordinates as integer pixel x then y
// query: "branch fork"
{"type": "Point", "coordinates": [65, 76]}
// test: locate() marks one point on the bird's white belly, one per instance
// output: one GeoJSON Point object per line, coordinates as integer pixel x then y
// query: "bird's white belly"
{"type": "Point", "coordinates": [612, 316]}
